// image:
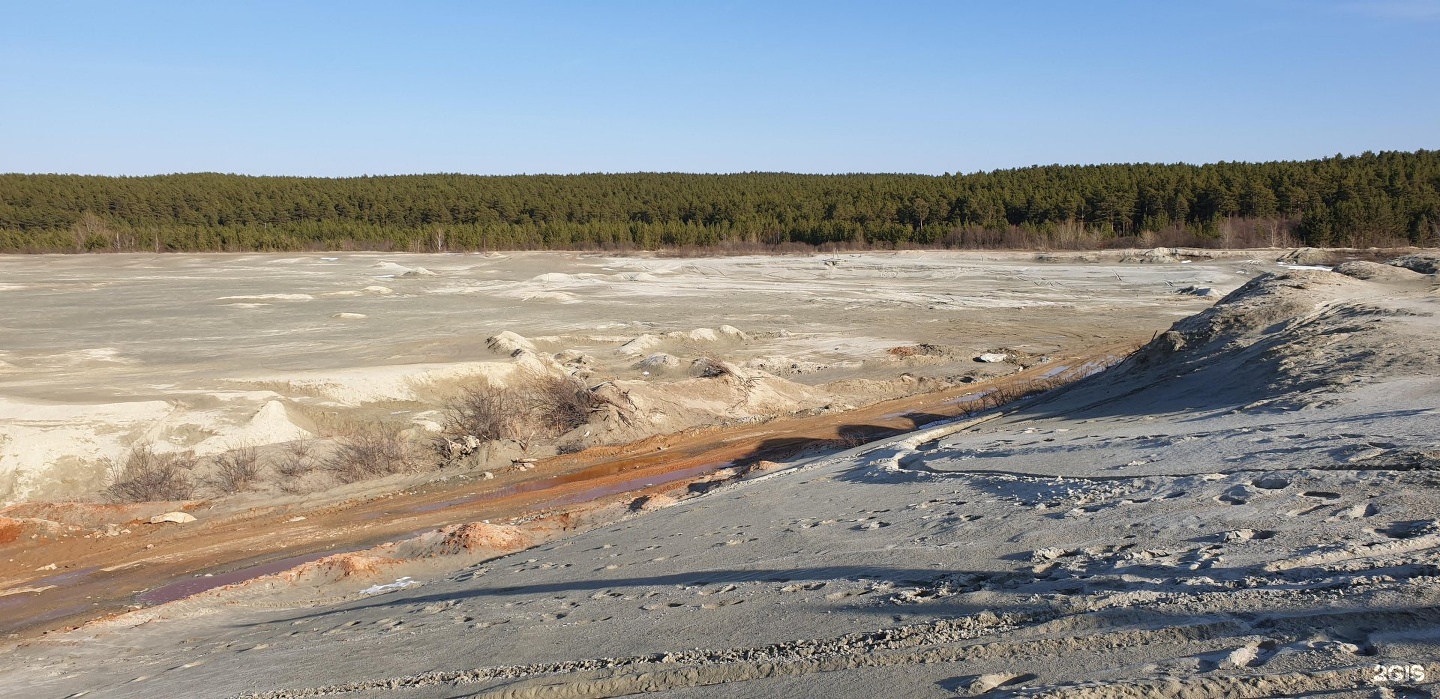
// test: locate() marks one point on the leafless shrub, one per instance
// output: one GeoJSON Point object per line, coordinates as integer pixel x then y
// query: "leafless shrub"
{"type": "Point", "coordinates": [296, 461]}
{"type": "Point", "coordinates": [378, 450]}
{"type": "Point", "coordinates": [484, 411]}
{"type": "Point", "coordinates": [557, 404]}
{"type": "Point", "coordinates": [534, 405]}
{"type": "Point", "coordinates": [236, 470]}
{"type": "Point", "coordinates": [145, 476]}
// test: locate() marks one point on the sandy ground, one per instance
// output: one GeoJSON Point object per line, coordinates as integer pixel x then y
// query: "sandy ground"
{"type": "Point", "coordinates": [1246, 507]}
{"type": "Point", "coordinates": [211, 352]}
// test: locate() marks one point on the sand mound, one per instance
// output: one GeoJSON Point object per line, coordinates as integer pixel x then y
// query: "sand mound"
{"type": "Point", "coordinates": [1278, 339]}
{"type": "Point", "coordinates": [658, 362]}
{"type": "Point", "coordinates": [1304, 256]}
{"type": "Point", "coordinates": [509, 343]}
{"type": "Point", "coordinates": [640, 345]}
{"type": "Point", "coordinates": [271, 424]}
{"type": "Point", "coordinates": [1424, 263]}
{"type": "Point", "coordinates": [1263, 303]}
{"type": "Point", "coordinates": [644, 344]}
{"type": "Point", "coordinates": [399, 270]}
{"type": "Point", "coordinates": [696, 335]}
{"type": "Point", "coordinates": [1152, 256]}
{"type": "Point", "coordinates": [1373, 271]}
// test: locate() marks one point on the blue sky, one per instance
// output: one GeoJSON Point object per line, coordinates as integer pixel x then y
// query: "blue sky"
{"type": "Point", "coordinates": [350, 88]}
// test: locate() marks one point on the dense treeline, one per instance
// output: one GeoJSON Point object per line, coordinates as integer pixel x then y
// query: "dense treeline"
{"type": "Point", "coordinates": [1371, 199]}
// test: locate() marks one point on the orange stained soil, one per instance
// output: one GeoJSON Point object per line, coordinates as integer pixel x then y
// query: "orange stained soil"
{"type": "Point", "coordinates": [102, 576]}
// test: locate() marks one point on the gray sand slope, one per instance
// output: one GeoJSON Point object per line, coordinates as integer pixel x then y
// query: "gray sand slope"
{"type": "Point", "coordinates": [1247, 507]}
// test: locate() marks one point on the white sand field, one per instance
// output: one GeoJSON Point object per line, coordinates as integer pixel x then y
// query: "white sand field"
{"type": "Point", "coordinates": [1248, 507]}
{"type": "Point", "coordinates": [210, 352]}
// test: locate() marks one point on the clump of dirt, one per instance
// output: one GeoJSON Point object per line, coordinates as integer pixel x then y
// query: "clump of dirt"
{"type": "Point", "coordinates": [11, 529]}
{"type": "Point", "coordinates": [476, 536]}
{"type": "Point", "coordinates": [343, 565]}
{"type": "Point", "coordinates": [921, 350]}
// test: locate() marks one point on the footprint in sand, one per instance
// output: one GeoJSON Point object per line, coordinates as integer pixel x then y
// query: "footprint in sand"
{"type": "Point", "coordinates": [798, 587]}
{"type": "Point", "coordinates": [721, 603]}
{"type": "Point", "coordinates": [1358, 511]}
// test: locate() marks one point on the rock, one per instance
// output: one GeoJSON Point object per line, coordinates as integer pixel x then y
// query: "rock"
{"type": "Point", "coordinates": [173, 517]}
{"type": "Point", "coordinates": [1047, 554]}
{"type": "Point", "coordinates": [51, 566]}
{"type": "Point", "coordinates": [733, 333]}
{"type": "Point", "coordinates": [489, 475]}
{"type": "Point", "coordinates": [992, 357]}
{"type": "Point", "coordinates": [1203, 291]}
{"type": "Point", "coordinates": [349, 316]}
{"type": "Point", "coordinates": [1240, 657]}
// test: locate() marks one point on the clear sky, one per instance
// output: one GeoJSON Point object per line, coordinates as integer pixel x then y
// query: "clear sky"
{"type": "Point", "coordinates": [352, 87]}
